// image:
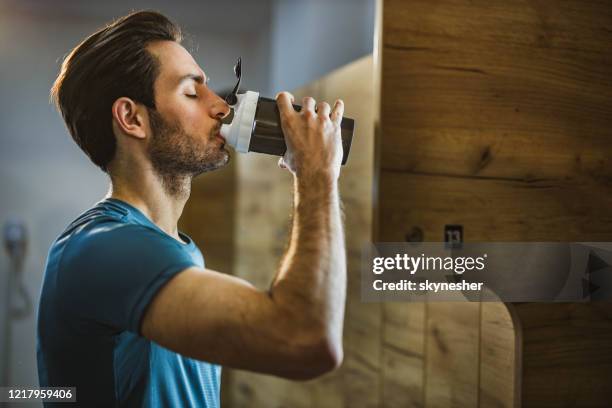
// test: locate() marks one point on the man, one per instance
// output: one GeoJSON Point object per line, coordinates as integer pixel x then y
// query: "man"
{"type": "Point", "coordinates": [128, 313]}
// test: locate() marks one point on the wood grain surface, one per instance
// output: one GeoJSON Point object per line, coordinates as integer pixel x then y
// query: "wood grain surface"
{"type": "Point", "coordinates": [497, 116]}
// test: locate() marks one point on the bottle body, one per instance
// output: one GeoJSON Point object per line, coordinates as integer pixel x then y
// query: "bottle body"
{"type": "Point", "coordinates": [267, 135]}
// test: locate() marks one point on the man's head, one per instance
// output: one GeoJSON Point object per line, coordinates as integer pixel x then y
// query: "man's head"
{"type": "Point", "coordinates": [131, 92]}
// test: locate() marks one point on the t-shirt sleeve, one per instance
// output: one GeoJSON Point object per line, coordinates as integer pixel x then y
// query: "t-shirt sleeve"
{"type": "Point", "coordinates": [111, 273]}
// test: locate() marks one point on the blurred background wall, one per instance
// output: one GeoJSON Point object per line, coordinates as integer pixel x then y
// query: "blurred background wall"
{"type": "Point", "coordinates": [47, 181]}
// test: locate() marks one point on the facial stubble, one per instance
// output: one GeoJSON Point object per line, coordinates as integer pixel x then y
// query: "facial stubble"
{"type": "Point", "coordinates": [177, 156]}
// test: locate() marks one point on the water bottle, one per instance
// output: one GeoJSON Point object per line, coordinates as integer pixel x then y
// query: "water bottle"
{"type": "Point", "coordinates": [254, 123]}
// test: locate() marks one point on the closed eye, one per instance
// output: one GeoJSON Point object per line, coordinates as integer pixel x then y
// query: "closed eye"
{"type": "Point", "coordinates": [191, 96]}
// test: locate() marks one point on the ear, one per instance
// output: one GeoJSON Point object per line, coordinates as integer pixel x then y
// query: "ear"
{"type": "Point", "coordinates": [129, 117]}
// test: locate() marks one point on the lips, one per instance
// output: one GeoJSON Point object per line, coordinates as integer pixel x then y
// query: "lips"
{"type": "Point", "coordinates": [218, 136]}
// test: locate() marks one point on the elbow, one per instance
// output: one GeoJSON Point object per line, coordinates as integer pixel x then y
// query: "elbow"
{"type": "Point", "coordinates": [331, 356]}
{"type": "Point", "coordinates": [321, 357]}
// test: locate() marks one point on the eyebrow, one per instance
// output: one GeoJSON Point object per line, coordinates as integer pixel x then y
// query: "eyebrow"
{"type": "Point", "coordinates": [197, 78]}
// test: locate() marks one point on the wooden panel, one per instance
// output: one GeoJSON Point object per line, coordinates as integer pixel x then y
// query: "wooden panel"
{"type": "Point", "coordinates": [496, 116]}
{"type": "Point", "coordinates": [520, 92]}
{"type": "Point", "coordinates": [499, 357]}
{"type": "Point", "coordinates": [208, 217]}
{"type": "Point", "coordinates": [256, 390]}
{"type": "Point", "coordinates": [403, 354]}
{"type": "Point", "coordinates": [494, 210]}
{"type": "Point", "coordinates": [567, 351]}
{"type": "Point", "coordinates": [579, 26]}
{"type": "Point", "coordinates": [452, 363]}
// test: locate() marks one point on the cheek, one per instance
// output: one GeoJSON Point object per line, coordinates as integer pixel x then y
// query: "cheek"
{"type": "Point", "coordinates": [196, 126]}
{"type": "Point", "coordinates": [192, 117]}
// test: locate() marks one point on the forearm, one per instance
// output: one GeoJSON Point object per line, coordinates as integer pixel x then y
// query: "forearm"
{"type": "Point", "coordinates": [311, 282]}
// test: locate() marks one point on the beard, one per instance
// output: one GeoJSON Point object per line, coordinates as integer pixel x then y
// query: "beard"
{"type": "Point", "coordinates": [177, 156]}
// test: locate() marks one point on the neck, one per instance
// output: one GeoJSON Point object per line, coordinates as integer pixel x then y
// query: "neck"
{"type": "Point", "coordinates": [161, 200]}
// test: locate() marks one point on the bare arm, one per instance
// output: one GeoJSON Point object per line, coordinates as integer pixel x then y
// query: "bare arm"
{"type": "Point", "coordinates": [295, 328]}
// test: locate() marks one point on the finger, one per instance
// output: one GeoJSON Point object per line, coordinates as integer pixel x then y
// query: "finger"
{"type": "Point", "coordinates": [338, 111]}
{"type": "Point", "coordinates": [284, 101]}
{"type": "Point", "coordinates": [308, 104]}
{"type": "Point", "coordinates": [323, 109]}
{"type": "Point", "coordinates": [287, 93]}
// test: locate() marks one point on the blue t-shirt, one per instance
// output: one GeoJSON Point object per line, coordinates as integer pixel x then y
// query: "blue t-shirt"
{"type": "Point", "coordinates": [101, 274]}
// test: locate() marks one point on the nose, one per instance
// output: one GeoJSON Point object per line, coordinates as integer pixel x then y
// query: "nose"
{"type": "Point", "coordinates": [220, 108]}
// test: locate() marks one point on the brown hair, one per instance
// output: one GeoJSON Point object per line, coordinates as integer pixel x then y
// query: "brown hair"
{"type": "Point", "coordinates": [111, 63]}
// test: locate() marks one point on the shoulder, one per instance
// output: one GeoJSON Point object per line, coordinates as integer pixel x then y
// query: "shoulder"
{"type": "Point", "coordinates": [109, 232]}
{"type": "Point", "coordinates": [112, 254]}
{"type": "Point", "coordinates": [111, 239]}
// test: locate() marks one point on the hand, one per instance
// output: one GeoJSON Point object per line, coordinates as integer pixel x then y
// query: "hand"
{"type": "Point", "coordinates": [314, 144]}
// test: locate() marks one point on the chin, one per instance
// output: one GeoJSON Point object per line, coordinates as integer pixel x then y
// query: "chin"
{"type": "Point", "coordinates": [222, 158]}
{"type": "Point", "coordinates": [225, 156]}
